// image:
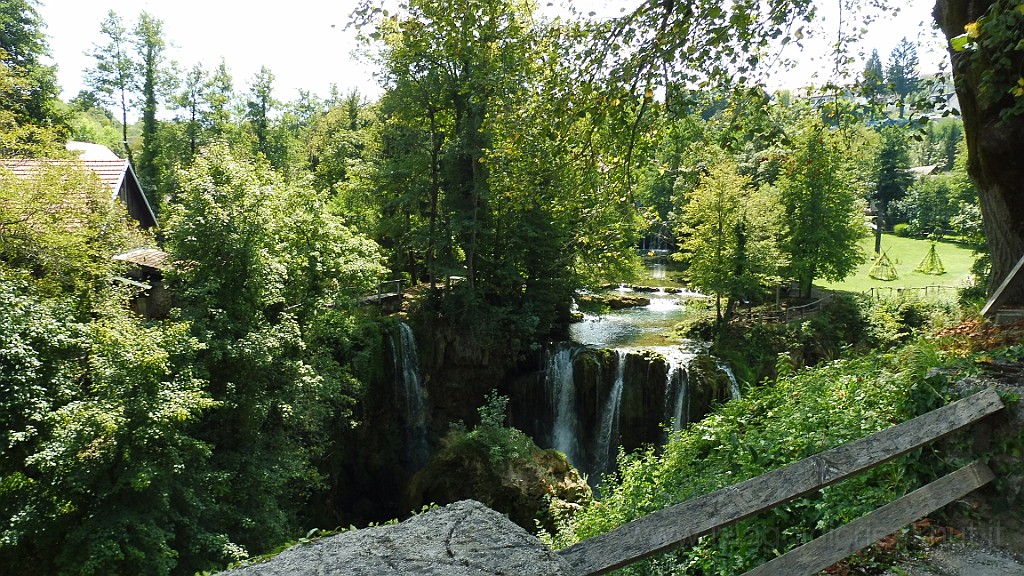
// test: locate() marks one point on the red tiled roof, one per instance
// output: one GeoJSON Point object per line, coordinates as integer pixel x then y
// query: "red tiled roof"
{"type": "Point", "coordinates": [110, 172]}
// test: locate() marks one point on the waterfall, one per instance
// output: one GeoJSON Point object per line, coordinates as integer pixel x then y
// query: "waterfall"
{"type": "Point", "coordinates": [734, 385]}
{"type": "Point", "coordinates": [407, 375]}
{"type": "Point", "coordinates": [608, 434]}
{"type": "Point", "coordinates": [677, 383]}
{"type": "Point", "coordinates": [676, 397]}
{"type": "Point", "coordinates": [561, 388]}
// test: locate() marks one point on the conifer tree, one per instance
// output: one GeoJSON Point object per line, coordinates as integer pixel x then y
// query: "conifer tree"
{"type": "Point", "coordinates": [901, 73]}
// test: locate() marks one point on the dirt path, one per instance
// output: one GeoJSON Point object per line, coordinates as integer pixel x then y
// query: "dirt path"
{"type": "Point", "coordinates": [958, 559]}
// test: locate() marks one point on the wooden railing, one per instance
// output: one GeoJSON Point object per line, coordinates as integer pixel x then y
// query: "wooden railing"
{"type": "Point", "coordinates": [682, 523]}
{"type": "Point", "coordinates": [790, 314]}
{"type": "Point", "coordinates": [879, 291]}
{"type": "Point", "coordinates": [389, 289]}
{"type": "Point", "coordinates": [388, 292]}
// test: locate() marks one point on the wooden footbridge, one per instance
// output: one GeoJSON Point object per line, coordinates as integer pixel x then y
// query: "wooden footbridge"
{"type": "Point", "coordinates": [388, 296]}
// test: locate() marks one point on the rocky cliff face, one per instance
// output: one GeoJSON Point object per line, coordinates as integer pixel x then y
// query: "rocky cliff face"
{"type": "Point", "coordinates": [647, 402]}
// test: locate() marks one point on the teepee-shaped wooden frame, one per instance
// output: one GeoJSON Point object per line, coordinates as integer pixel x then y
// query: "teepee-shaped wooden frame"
{"type": "Point", "coordinates": [931, 263]}
{"type": "Point", "coordinates": [883, 269]}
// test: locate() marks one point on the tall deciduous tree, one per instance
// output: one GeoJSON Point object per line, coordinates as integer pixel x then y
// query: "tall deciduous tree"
{"type": "Point", "coordinates": [446, 69]}
{"type": "Point", "coordinates": [219, 94]}
{"type": "Point", "coordinates": [190, 100]}
{"type": "Point", "coordinates": [115, 73]}
{"type": "Point", "coordinates": [259, 106]}
{"type": "Point", "coordinates": [730, 235]}
{"type": "Point", "coordinates": [824, 215]}
{"type": "Point", "coordinates": [267, 276]}
{"type": "Point", "coordinates": [29, 92]}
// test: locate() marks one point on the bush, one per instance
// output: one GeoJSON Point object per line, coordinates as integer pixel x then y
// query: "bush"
{"type": "Point", "coordinates": [897, 319]}
{"type": "Point", "coordinates": [902, 230]}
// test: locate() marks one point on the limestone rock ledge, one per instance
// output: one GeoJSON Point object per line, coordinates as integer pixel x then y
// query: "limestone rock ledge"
{"type": "Point", "coordinates": [462, 539]}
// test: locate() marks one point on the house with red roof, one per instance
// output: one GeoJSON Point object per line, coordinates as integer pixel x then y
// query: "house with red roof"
{"type": "Point", "coordinates": [116, 173]}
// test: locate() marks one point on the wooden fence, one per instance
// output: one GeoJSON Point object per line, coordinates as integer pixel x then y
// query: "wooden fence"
{"type": "Point", "coordinates": [879, 291]}
{"type": "Point", "coordinates": [790, 314]}
{"type": "Point", "coordinates": [682, 523]}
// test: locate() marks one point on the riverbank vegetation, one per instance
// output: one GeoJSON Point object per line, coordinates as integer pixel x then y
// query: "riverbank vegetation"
{"type": "Point", "coordinates": [796, 414]}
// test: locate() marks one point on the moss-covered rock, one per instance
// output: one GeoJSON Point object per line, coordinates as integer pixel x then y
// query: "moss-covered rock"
{"type": "Point", "coordinates": [615, 301]}
{"type": "Point", "coordinates": [505, 470]}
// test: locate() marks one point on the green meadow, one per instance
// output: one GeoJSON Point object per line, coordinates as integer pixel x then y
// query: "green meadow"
{"type": "Point", "coordinates": [906, 254]}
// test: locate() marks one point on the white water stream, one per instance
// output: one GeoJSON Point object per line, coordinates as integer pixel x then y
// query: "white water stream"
{"type": "Point", "coordinates": [561, 389]}
{"type": "Point", "coordinates": [407, 366]}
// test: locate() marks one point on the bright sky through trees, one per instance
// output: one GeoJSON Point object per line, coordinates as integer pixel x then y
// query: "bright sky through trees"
{"type": "Point", "coordinates": [305, 43]}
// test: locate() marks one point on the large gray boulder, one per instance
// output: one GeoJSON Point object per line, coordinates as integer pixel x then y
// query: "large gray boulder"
{"type": "Point", "coordinates": [461, 539]}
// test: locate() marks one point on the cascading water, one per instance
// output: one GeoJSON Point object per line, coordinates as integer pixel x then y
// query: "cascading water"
{"type": "Point", "coordinates": [608, 433]}
{"type": "Point", "coordinates": [561, 388]}
{"type": "Point", "coordinates": [677, 382]}
{"type": "Point", "coordinates": [414, 395]}
{"type": "Point", "coordinates": [677, 409]}
{"type": "Point", "coordinates": [734, 385]}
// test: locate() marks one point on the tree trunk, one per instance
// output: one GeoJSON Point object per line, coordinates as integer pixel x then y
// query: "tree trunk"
{"type": "Point", "coordinates": [879, 225]}
{"type": "Point", "coordinates": [993, 148]}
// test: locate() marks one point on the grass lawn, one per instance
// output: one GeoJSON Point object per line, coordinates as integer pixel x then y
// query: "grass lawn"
{"type": "Point", "coordinates": [906, 254]}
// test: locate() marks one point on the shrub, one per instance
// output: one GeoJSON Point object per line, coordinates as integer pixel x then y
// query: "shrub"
{"type": "Point", "coordinates": [902, 230]}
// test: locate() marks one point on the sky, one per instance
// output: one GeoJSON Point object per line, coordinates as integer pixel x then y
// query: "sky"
{"type": "Point", "coordinates": [306, 45]}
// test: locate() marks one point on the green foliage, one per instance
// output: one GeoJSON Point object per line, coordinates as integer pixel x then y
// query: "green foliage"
{"type": "Point", "coordinates": [100, 463]}
{"type": "Point", "coordinates": [873, 82]}
{"type": "Point", "coordinates": [730, 231]}
{"type": "Point", "coordinates": [60, 228]}
{"type": "Point", "coordinates": [846, 324]}
{"type": "Point", "coordinates": [504, 444]}
{"type": "Point", "coordinates": [892, 176]}
{"type": "Point", "coordinates": [523, 211]}
{"type": "Point", "coordinates": [154, 82]}
{"type": "Point", "coordinates": [938, 143]}
{"type": "Point", "coordinates": [113, 78]}
{"type": "Point", "coordinates": [267, 275]}
{"type": "Point", "coordinates": [260, 108]}
{"type": "Point", "coordinates": [992, 49]}
{"type": "Point", "coordinates": [820, 191]}
{"type": "Point", "coordinates": [801, 414]}
{"type": "Point", "coordinates": [934, 203]}
{"type": "Point", "coordinates": [896, 319]}
{"type": "Point", "coordinates": [28, 88]}
{"type": "Point", "coordinates": [90, 122]}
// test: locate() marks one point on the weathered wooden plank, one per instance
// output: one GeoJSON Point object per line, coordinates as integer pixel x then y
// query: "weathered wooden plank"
{"type": "Point", "coordinates": [1007, 287]}
{"type": "Point", "coordinates": [672, 526]}
{"type": "Point", "coordinates": [840, 543]}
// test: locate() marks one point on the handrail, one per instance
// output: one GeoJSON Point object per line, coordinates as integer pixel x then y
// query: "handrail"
{"type": "Point", "coordinates": [673, 526]}
{"type": "Point", "coordinates": [826, 550]}
{"type": "Point", "coordinates": [870, 292]}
